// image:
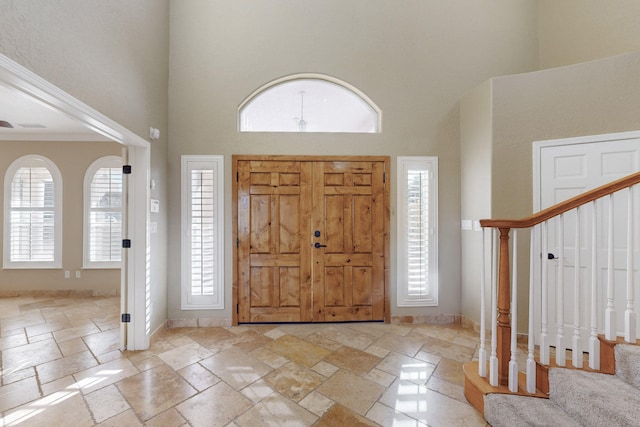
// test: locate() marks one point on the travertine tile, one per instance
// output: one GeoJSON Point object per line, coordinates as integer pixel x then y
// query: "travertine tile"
{"type": "Point", "coordinates": [451, 371]}
{"type": "Point", "coordinates": [353, 360]}
{"type": "Point", "coordinates": [199, 377]}
{"type": "Point", "coordinates": [408, 345]}
{"type": "Point", "coordinates": [406, 368]}
{"type": "Point", "coordinates": [294, 381]}
{"type": "Point", "coordinates": [55, 409]}
{"type": "Point", "coordinates": [257, 391]}
{"type": "Point", "coordinates": [185, 355]}
{"type": "Point", "coordinates": [236, 368]}
{"type": "Point", "coordinates": [338, 415]}
{"type": "Point", "coordinates": [386, 416]}
{"type": "Point", "coordinates": [30, 355]}
{"type": "Point", "coordinates": [381, 377]}
{"type": "Point", "coordinates": [12, 341]}
{"type": "Point", "coordinates": [127, 418]}
{"type": "Point", "coordinates": [103, 342]}
{"type": "Point", "coordinates": [71, 347]}
{"type": "Point", "coordinates": [297, 350]}
{"type": "Point", "coordinates": [103, 375]}
{"type": "Point", "coordinates": [269, 357]}
{"type": "Point", "coordinates": [65, 366]}
{"type": "Point", "coordinates": [325, 369]}
{"type": "Point", "coordinates": [168, 390]}
{"type": "Point", "coordinates": [76, 332]}
{"type": "Point", "coordinates": [276, 410]}
{"type": "Point", "coordinates": [106, 403]}
{"type": "Point", "coordinates": [216, 406]}
{"type": "Point", "coordinates": [316, 403]}
{"type": "Point", "coordinates": [352, 391]}
{"type": "Point", "coordinates": [169, 418]}
{"type": "Point", "coordinates": [448, 350]}
{"type": "Point", "coordinates": [18, 393]}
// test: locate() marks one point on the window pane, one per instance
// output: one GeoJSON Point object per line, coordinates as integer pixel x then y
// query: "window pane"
{"type": "Point", "coordinates": [308, 105]}
{"type": "Point", "coordinates": [32, 215]}
{"type": "Point", "coordinates": [203, 232]}
{"type": "Point", "coordinates": [105, 215]}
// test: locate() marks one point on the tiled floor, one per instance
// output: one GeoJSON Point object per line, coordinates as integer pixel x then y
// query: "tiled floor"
{"type": "Point", "coordinates": [61, 366]}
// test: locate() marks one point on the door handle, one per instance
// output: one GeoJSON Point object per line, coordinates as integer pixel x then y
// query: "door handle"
{"type": "Point", "coordinates": [551, 256]}
{"type": "Point", "coordinates": [318, 245]}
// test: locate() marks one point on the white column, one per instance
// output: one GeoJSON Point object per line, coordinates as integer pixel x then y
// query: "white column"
{"type": "Point", "coordinates": [630, 314]}
{"type": "Point", "coordinates": [561, 355]}
{"type": "Point", "coordinates": [594, 342]}
{"type": "Point", "coordinates": [482, 355]}
{"type": "Point", "coordinates": [513, 363]}
{"type": "Point", "coordinates": [576, 348]}
{"type": "Point", "coordinates": [493, 360]}
{"type": "Point", "coordinates": [531, 362]}
{"type": "Point", "coordinates": [610, 314]}
{"type": "Point", "coordinates": [544, 300]}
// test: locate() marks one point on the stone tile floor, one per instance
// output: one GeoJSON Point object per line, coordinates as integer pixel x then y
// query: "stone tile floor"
{"type": "Point", "coordinates": [61, 365]}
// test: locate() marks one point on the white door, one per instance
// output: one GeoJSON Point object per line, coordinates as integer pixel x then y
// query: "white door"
{"type": "Point", "coordinates": [566, 169]}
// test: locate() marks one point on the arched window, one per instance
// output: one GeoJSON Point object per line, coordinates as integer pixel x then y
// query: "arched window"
{"type": "Point", "coordinates": [309, 103]}
{"type": "Point", "coordinates": [33, 214]}
{"type": "Point", "coordinates": [103, 213]}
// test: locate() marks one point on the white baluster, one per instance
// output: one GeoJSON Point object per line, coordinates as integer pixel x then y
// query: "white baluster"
{"type": "Point", "coordinates": [576, 349]}
{"type": "Point", "coordinates": [513, 363]}
{"type": "Point", "coordinates": [482, 355]}
{"type": "Point", "coordinates": [630, 314]}
{"type": "Point", "coordinates": [594, 342]}
{"type": "Point", "coordinates": [544, 300]}
{"type": "Point", "coordinates": [610, 314]}
{"type": "Point", "coordinates": [493, 360]}
{"type": "Point", "coordinates": [561, 354]}
{"type": "Point", "coordinates": [531, 362]}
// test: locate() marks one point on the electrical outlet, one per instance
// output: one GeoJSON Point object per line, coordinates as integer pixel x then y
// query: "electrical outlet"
{"type": "Point", "coordinates": [77, 274]}
{"type": "Point", "coordinates": [67, 274]}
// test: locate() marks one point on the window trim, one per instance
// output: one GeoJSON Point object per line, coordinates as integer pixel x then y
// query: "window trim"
{"type": "Point", "coordinates": [188, 301]}
{"type": "Point", "coordinates": [308, 76]}
{"type": "Point", "coordinates": [105, 161]}
{"type": "Point", "coordinates": [56, 176]}
{"type": "Point", "coordinates": [429, 164]}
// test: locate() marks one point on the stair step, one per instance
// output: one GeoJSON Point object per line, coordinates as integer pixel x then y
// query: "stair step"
{"type": "Point", "coordinates": [508, 410]}
{"type": "Point", "coordinates": [594, 399]}
{"type": "Point", "coordinates": [628, 364]}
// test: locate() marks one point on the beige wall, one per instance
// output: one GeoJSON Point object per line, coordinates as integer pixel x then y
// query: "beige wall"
{"type": "Point", "coordinates": [72, 159]}
{"type": "Point", "coordinates": [573, 31]}
{"type": "Point", "coordinates": [591, 98]}
{"type": "Point", "coordinates": [414, 61]}
{"type": "Point", "coordinates": [476, 140]}
{"type": "Point", "coordinates": [113, 56]}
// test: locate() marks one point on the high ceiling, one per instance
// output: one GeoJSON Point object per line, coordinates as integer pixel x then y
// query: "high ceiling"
{"type": "Point", "coordinates": [33, 121]}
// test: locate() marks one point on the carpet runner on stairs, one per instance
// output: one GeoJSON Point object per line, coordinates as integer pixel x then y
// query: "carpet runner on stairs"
{"type": "Point", "coordinates": [576, 398]}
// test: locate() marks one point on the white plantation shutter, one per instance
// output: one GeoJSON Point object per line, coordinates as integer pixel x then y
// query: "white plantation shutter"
{"type": "Point", "coordinates": [103, 213]}
{"type": "Point", "coordinates": [417, 231]}
{"type": "Point", "coordinates": [32, 214]}
{"type": "Point", "coordinates": [202, 242]}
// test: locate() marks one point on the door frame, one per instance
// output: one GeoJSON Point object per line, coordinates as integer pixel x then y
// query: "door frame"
{"type": "Point", "coordinates": [234, 202]}
{"type": "Point", "coordinates": [135, 282]}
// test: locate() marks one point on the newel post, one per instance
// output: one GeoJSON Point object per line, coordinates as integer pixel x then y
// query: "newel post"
{"type": "Point", "coordinates": [504, 309]}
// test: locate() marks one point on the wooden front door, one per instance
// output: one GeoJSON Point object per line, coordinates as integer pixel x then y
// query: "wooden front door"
{"type": "Point", "coordinates": [311, 239]}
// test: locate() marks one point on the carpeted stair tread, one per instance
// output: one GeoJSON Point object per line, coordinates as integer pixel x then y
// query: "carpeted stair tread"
{"type": "Point", "coordinates": [510, 410]}
{"type": "Point", "coordinates": [594, 399]}
{"type": "Point", "coordinates": [628, 364]}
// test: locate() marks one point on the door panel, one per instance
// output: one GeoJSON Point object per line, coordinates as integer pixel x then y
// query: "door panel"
{"type": "Point", "coordinates": [281, 275]}
{"type": "Point", "coordinates": [566, 171]}
{"type": "Point", "coordinates": [348, 276]}
{"type": "Point", "coordinates": [274, 267]}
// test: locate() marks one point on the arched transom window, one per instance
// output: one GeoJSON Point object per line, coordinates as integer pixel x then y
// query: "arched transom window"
{"type": "Point", "coordinates": [309, 103]}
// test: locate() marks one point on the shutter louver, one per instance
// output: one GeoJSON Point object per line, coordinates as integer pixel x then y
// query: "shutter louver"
{"type": "Point", "coordinates": [32, 215]}
{"type": "Point", "coordinates": [105, 215]}
{"type": "Point", "coordinates": [418, 233]}
{"type": "Point", "coordinates": [203, 232]}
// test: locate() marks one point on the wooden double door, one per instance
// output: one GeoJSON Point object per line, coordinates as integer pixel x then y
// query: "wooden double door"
{"type": "Point", "coordinates": [312, 239]}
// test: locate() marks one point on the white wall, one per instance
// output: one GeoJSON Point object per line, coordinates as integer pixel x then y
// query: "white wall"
{"type": "Point", "coordinates": [414, 61]}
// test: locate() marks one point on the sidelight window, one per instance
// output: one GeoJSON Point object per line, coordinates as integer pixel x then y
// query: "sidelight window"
{"type": "Point", "coordinates": [417, 231]}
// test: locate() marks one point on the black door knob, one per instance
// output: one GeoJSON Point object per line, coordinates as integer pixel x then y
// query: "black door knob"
{"type": "Point", "coordinates": [318, 245]}
{"type": "Point", "coordinates": [551, 256]}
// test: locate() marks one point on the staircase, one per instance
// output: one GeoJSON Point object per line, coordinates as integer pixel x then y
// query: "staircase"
{"type": "Point", "coordinates": [581, 364]}
{"type": "Point", "coordinates": [576, 398]}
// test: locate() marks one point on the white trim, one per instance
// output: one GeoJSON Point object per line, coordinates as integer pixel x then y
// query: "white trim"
{"type": "Point", "coordinates": [13, 75]}
{"type": "Point", "coordinates": [312, 76]}
{"type": "Point", "coordinates": [56, 176]}
{"type": "Point", "coordinates": [105, 161]}
{"type": "Point", "coordinates": [422, 163]}
{"type": "Point", "coordinates": [539, 145]}
{"type": "Point", "coordinates": [189, 301]}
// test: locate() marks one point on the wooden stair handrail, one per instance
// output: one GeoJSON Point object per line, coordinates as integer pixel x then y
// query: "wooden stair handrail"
{"type": "Point", "coordinates": [565, 206]}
